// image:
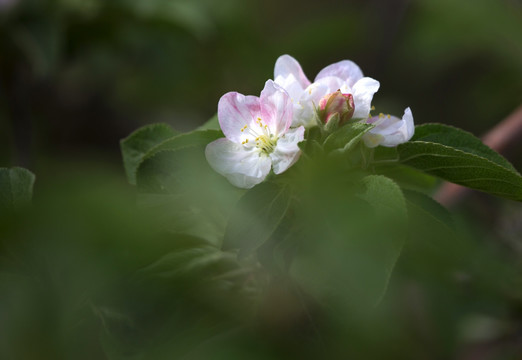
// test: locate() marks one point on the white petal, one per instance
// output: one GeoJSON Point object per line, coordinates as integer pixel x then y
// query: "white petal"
{"type": "Point", "coordinates": [286, 152]}
{"type": "Point", "coordinates": [291, 85]}
{"type": "Point", "coordinates": [304, 111]}
{"type": "Point", "coordinates": [289, 74]}
{"type": "Point", "coordinates": [234, 112]}
{"type": "Point", "coordinates": [346, 70]}
{"type": "Point", "coordinates": [362, 93]}
{"type": "Point", "coordinates": [304, 115]}
{"type": "Point", "coordinates": [391, 131]}
{"type": "Point", "coordinates": [244, 167]}
{"type": "Point", "coordinates": [276, 108]}
{"type": "Point", "coordinates": [408, 121]}
{"type": "Point", "coordinates": [330, 84]}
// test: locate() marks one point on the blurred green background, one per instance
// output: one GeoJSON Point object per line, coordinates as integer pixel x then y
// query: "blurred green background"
{"type": "Point", "coordinates": [76, 76]}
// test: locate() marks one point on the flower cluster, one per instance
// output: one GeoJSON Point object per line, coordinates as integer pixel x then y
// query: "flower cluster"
{"type": "Point", "coordinates": [262, 133]}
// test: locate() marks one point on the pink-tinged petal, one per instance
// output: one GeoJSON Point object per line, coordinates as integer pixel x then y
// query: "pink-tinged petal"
{"type": "Point", "coordinates": [243, 167]}
{"type": "Point", "coordinates": [276, 108]}
{"type": "Point", "coordinates": [288, 67]}
{"type": "Point", "coordinates": [234, 112]}
{"type": "Point", "coordinates": [362, 93]}
{"type": "Point", "coordinates": [346, 70]}
{"type": "Point", "coordinates": [390, 131]}
{"type": "Point", "coordinates": [286, 152]}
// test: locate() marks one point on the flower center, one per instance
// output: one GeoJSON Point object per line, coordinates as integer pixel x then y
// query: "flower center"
{"type": "Point", "coordinates": [260, 136]}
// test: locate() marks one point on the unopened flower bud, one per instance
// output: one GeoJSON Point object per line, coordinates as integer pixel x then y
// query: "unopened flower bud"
{"type": "Point", "coordinates": [336, 103]}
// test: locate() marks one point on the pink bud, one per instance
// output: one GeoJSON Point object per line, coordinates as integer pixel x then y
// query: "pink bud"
{"type": "Point", "coordinates": [336, 103]}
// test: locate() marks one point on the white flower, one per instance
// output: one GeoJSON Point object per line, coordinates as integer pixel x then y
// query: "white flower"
{"type": "Point", "coordinates": [258, 136]}
{"type": "Point", "coordinates": [389, 130]}
{"type": "Point", "coordinates": [344, 75]}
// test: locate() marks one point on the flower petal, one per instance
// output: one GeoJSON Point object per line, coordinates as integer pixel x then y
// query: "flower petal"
{"type": "Point", "coordinates": [362, 93]}
{"type": "Point", "coordinates": [327, 85]}
{"type": "Point", "coordinates": [391, 131]}
{"type": "Point", "coordinates": [289, 74]}
{"type": "Point", "coordinates": [286, 152]}
{"type": "Point", "coordinates": [346, 70]}
{"type": "Point", "coordinates": [243, 167]}
{"type": "Point", "coordinates": [234, 112]}
{"type": "Point", "coordinates": [276, 108]}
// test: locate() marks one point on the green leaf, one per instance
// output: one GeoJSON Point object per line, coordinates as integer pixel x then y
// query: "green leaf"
{"type": "Point", "coordinates": [256, 217]}
{"type": "Point", "coordinates": [16, 187]}
{"type": "Point", "coordinates": [419, 203]}
{"type": "Point", "coordinates": [384, 195]}
{"type": "Point", "coordinates": [408, 178]}
{"type": "Point", "coordinates": [462, 167]}
{"type": "Point", "coordinates": [346, 137]}
{"type": "Point", "coordinates": [333, 123]}
{"type": "Point", "coordinates": [390, 231]}
{"type": "Point", "coordinates": [459, 139]}
{"type": "Point", "coordinates": [211, 124]}
{"type": "Point", "coordinates": [194, 138]}
{"type": "Point", "coordinates": [347, 245]}
{"type": "Point", "coordinates": [186, 193]}
{"type": "Point", "coordinates": [136, 145]}
{"type": "Point", "coordinates": [194, 263]}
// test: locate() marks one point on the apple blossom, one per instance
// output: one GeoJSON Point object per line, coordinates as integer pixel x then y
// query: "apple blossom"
{"type": "Point", "coordinates": [344, 75]}
{"type": "Point", "coordinates": [258, 136]}
{"type": "Point", "coordinates": [389, 130]}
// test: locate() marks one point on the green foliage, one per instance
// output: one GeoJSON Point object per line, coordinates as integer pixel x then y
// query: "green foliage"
{"type": "Point", "coordinates": [256, 216]}
{"type": "Point", "coordinates": [459, 157]}
{"type": "Point", "coordinates": [136, 146]}
{"type": "Point", "coordinates": [459, 139]}
{"type": "Point", "coordinates": [16, 188]}
{"type": "Point", "coordinates": [344, 139]}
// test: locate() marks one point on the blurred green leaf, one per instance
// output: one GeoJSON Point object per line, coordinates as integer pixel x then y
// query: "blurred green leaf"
{"type": "Point", "coordinates": [384, 195]}
{"type": "Point", "coordinates": [407, 177]}
{"type": "Point", "coordinates": [420, 203]}
{"type": "Point", "coordinates": [16, 187]}
{"type": "Point", "coordinates": [196, 263]}
{"type": "Point", "coordinates": [387, 198]}
{"type": "Point", "coordinates": [187, 195]}
{"type": "Point", "coordinates": [256, 217]}
{"type": "Point", "coordinates": [135, 146]}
